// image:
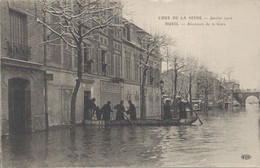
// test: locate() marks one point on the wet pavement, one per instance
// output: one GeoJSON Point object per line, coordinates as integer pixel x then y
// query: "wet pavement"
{"type": "Point", "coordinates": [221, 141]}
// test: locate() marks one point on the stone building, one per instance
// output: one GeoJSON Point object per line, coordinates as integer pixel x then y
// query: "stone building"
{"type": "Point", "coordinates": [22, 70]}
{"type": "Point", "coordinates": [37, 80]}
{"type": "Point", "coordinates": [131, 52]}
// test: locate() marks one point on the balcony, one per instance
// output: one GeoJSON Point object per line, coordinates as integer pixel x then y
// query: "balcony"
{"type": "Point", "coordinates": [88, 66]}
{"type": "Point", "coordinates": [17, 51]}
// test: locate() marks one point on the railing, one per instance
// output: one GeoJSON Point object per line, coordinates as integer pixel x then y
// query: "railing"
{"type": "Point", "coordinates": [88, 66]}
{"type": "Point", "coordinates": [17, 51]}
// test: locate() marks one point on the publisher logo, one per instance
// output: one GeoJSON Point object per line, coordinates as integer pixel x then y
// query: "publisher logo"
{"type": "Point", "coordinates": [245, 157]}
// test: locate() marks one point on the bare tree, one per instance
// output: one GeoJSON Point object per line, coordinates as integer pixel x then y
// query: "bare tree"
{"type": "Point", "coordinates": [151, 58]}
{"type": "Point", "coordinates": [192, 72]}
{"type": "Point", "coordinates": [72, 21]}
{"type": "Point", "coordinates": [228, 72]}
{"type": "Point", "coordinates": [205, 79]}
{"type": "Point", "coordinates": [178, 64]}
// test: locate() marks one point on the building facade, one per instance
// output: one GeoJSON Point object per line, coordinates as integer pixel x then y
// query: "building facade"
{"type": "Point", "coordinates": [22, 70]}
{"type": "Point", "coordinates": [37, 80]}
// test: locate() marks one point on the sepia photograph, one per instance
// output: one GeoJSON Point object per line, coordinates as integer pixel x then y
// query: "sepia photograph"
{"type": "Point", "coordinates": [129, 83]}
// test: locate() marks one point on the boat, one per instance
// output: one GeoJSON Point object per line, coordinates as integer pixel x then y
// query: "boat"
{"type": "Point", "coordinates": [145, 122]}
{"type": "Point", "coordinates": [197, 109]}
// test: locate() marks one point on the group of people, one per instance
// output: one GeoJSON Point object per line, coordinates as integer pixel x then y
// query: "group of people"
{"type": "Point", "coordinates": [181, 107]}
{"type": "Point", "coordinates": [104, 113]}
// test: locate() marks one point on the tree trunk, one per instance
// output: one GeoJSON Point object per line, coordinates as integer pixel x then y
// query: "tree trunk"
{"type": "Point", "coordinates": [143, 96]}
{"type": "Point", "coordinates": [232, 97]}
{"type": "Point", "coordinates": [76, 89]}
{"type": "Point", "coordinates": [73, 102]}
{"type": "Point", "coordinates": [190, 85]}
{"type": "Point", "coordinates": [175, 88]}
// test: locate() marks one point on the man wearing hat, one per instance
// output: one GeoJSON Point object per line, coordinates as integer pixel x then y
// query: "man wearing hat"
{"type": "Point", "coordinates": [167, 110]}
{"type": "Point", "coordinates": [182, 108]}
{"type": "Point", "coordinates": [120, 111]}
{"type": "Point", "coordinates": [131, 111]}
{"type": "Point", "coordinates": [106, 110]}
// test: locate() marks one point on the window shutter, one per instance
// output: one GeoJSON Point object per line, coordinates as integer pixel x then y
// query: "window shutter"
{"type": "Point", "coordinates": [112, 65]}
{"type": "Point", "coordinates": [99, 62]}
{"type": "Point", "coordinates": [94, 54]}
{"type": "Point", "coordinates": [108, 62]}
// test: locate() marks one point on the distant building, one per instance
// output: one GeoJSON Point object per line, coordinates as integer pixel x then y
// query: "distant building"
{"type": "Point", "coordinates": [216, 91]}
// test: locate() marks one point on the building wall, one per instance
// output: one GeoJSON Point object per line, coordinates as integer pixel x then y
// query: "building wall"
{"type": "Point", "coordinates": [63, 69]}
{"type": "Point", "coordinates": [1, 9]}
{"type": "Point", "coordinates": [30, 70]}
{"type": "Point", "coordinates": [36, 93]}
{"type": "Point", "coordinates": [61, 88]}
{"type": "Point", "coordinates": [34, 30]}
{"type": "Point", "coordinates": [153, 102]}
{"type": "Point", "coordinates": [131, 49]}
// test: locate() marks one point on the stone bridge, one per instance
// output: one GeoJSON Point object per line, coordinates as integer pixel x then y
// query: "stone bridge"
{"type": "Point", "coordinates": [241, 96]}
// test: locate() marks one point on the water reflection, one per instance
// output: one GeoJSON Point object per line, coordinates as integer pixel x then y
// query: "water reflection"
{"type": "Point", "coordinates": [220, 141]}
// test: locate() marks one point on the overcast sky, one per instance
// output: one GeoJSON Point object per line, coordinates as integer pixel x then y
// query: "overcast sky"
{"type": "Point", "coordinates": [236, 45]}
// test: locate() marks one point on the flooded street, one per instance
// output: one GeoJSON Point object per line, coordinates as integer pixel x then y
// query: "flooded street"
{"type": "Point", "coordinates": [220, 141]}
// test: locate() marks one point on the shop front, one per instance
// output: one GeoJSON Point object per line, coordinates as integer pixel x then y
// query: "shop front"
{"type": "Point", "coordinates": [110, 92]}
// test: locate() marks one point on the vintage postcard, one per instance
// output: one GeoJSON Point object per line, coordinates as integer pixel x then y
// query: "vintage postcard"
{"type": "Point", "coordinates": [129, 83]}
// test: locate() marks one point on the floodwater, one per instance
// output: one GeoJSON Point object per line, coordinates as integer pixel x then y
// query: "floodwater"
{"type": "Point", "coordinates": [221, 141]}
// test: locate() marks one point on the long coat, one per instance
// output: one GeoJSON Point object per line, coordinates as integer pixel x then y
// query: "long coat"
{"type": "Point", "coordinates": [132, 111]}
{"type": "Point", "coordinates": [167, 111]}
{"type": "Point", "coordinates": [182, 110]}
{"type": "Point", "coordinates": [89, 109]}
{"type": "Point", "coordinates": [120, 111]}
{"type": "Point", "coordinates": [106, 110]}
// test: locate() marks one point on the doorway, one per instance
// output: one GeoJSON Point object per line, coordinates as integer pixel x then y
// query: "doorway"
{"type": "Point", "coordinates": [19, 104]}
{"type": "Point", "coordinates": [87, 97]}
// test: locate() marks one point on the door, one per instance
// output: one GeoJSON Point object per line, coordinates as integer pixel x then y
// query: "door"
{"type": "Point", "coordinates": [19, 100]}
{"type": "Point", "coordinates": [87, 97]}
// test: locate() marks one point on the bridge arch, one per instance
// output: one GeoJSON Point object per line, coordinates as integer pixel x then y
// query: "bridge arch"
{"type": "Point", "coordinates": [242, 96]}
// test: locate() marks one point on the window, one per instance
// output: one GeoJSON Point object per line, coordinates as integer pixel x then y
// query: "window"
{"type": "Point", "coordinates": [87, 59]}
{"type": "Point", "coordinates": [128, 33]}
{"type": "Point", "coordinates": [103, 40]}
{"type": "Point", "coordinates": [112, 69]}
{"type": "Point", "coordinates": [108, 64]}
{"type": "Point", "coordinates": [18, 44]}
{"type": "Point", "coordinates": [99, 62]}
{"type": "Point", "coordinates": [117, 19]}
{"type": "Point", "coordinates": [104, 67]}
{"type": "Point", "coordinates": [75, 56]}
{"type": "Point", "coordinates": [117, 33]}
{"type": "Point", "coordinates": [105, 31]}
{"type": "Point", "coordinates": [56, 42]}
{"type": "Point", "coordinates": [136, 70]}
{"type": "Point", "coordinates": [95, 56]}
{"type": "Point", "coordinates": [117, 46]}
{"type": "Point", "coordinates": [67, 55]}
{"type": "Point", "coordinates": [128, 65]}
{"type": "Point", "coordinates": [124, 32]}
{"type": "Point", "coordinates": [118, 65]}
{"type": "Point", "coordinates": [56, 51]}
